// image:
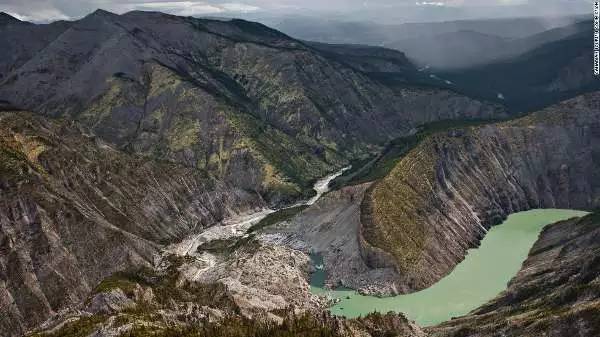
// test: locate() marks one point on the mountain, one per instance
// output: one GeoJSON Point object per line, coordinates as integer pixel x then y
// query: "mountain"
{"type": "Point", "coordinates": [134, 148]}
{"type": "Point", "coordinates": [452, 50]}
{"type": "Point", "coordinates": [554, 294]}
{"type": "Point", "coordinates": [552, 72]}
{"type": "Point", "coordinates": [125, 133]}
{"type": "Point", "coordinates": [22, 40]}
{"type": "Point", "coordinates": [439, 199]}
{"type": "Point", "coordinates": [464, 49]}
{"type": "Point", "coordinates": [74, 210]}
{"type": "Point", "coordinates": [444, 45]}
{"type": "Point", "coordinates": [330, 30]}
{"type": "Point", "coordinates": [223, 96]}
{"type": "Point", "coordinates": [6, 19]}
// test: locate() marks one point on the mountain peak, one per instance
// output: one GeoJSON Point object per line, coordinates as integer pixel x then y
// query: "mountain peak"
{"type": "Point", "coordinates": [102, 13]}
{"type": "Point", "coordinates": [6, 18]}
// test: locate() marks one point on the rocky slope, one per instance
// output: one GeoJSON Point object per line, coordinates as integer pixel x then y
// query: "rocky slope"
{"type": "Point", "coordinates": [439, 200]}
{"type": "Point", "coordinates": [556, 293]}
{"type": "Point", "coordinates": [73, 210]}
{"type": "Point", "coordinates": [226, 97]}
{"type": "Point", "coordinates": [164, 303]}
{"type": "Point", "coordinates": [331, 228]}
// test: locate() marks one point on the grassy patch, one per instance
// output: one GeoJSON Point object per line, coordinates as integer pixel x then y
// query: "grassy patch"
{"type": "Point", "coordinates": [228, 246]}
{"type": "Point", "coordinates": [297, 326]}
{"type": "Point", "coordinates": [277, 217]}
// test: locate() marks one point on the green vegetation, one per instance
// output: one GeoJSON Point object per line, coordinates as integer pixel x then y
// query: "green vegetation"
{"type": "Point", "coordinates": [228, 246]}
{"type": "Point", "coordinates": [379, 166]}
{"type": "Point", "coordinates": [80, 328]}
{"type": "Point", "coordinates": [166, 288]}
{"type": "Point", "coordinates": [298, 326]}
{"type": "Point", "coordinates": [277, 217]}
{"type": "Point", "coordinates": [295, 164]}
{"type": "Point", "coordinates": [12, 163]}
{"type": "Point", "coordinates": [293, 325]}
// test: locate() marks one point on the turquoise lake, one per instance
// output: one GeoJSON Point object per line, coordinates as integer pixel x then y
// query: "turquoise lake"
{"type": "Point", "coordinates": [483, 274]}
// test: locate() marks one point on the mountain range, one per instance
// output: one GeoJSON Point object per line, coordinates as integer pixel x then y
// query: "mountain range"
{"type": "Point", "coordinates": [130, 143]}
{"type": "Point", "coordinates": [221, 96]}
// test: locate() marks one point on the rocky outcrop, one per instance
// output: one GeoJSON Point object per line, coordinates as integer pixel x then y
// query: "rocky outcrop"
{"type": "Point", "coordinates": [556, 293]}
{"type": "Point", "coordinates": [246, 103]}
{"type": "Point", "coordinates": [73, 210]}
{"type": "Point", "coordinates": [330, 228]}
{"type": "Point", "coordinates": [259, 278]}
{"type": "Point", "coordinates": [442, 197]}
{"type": "Point", "coordinates": [109, 302]}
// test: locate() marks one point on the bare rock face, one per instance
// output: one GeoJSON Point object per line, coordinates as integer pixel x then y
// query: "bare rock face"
{"type": "Point", "coordinates": [260, 278]}
{"type": "Point", "coordinates": [442, 197]}
{"type": "Point", "coordinates": [73, 210]}
{"type": "Point", "coordinates": [554, 294]}
{"type": "Point", "coordinates": [110, 302]}
{"type": "Point", "coordinates": [330, 228]}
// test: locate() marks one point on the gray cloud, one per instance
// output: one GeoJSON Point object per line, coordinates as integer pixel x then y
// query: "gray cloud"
{"type": "Point", "coordinates": [48, 10]}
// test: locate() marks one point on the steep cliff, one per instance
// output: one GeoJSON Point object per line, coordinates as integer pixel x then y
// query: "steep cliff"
{"type": "Point", "coordinates": [441, 197]}
{"type": "Point", "coordinates": [224, 96]}
{"type": "Point", "coordinates": [73, 210]}
{"type": "Point", "coordinates": [556, 293]}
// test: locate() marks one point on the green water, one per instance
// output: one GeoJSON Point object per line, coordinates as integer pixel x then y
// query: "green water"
{"type": "Point", "coordinates": [479, 278]}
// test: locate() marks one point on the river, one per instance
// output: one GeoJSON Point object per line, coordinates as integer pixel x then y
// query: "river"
{"type": "Point", "coordinates": [483, 274]}
{"type": "Point", "coordinates": [238, 226]}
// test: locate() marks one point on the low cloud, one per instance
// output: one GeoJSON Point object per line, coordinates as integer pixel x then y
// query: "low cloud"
{"type": "Point", "coordinates": [186, 8]}
{"type": "Point", "coordinates": [49, 10]}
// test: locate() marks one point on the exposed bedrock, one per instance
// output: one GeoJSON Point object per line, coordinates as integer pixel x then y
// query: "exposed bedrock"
{"type": "Point", "coordinates": [330, 227]}
{"type": "Point", "coordinates": [73, 210]}
{"type": "Point", "coordinates": [442, 197]}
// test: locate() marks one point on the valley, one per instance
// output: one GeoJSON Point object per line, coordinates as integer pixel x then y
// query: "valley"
{"type": "Point", "coordinates": [165, 175]}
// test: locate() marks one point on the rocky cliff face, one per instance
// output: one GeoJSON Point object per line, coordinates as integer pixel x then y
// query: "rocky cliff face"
{"type": "Point", "coordinates": [556, 293]}
{"type": "Point", "coordinates": [73, 210]}
{"type": "Point", "coordinates": [330, 228]}
{"type": "Point", "coordinates": [226, 97]}
{"type": "Point", "coordinates": [442, 197]}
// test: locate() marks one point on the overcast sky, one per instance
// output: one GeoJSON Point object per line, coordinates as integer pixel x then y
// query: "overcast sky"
{"type": "Point", "coordinates": [50, 10]}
